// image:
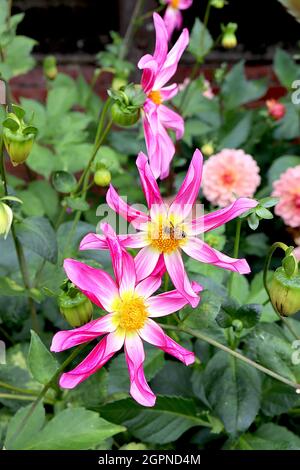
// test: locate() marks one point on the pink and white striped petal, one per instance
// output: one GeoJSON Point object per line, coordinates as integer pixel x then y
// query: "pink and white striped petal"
{"type": "Point", "coordinates": [169, 302]}
{"type": "Point", "coordinates": [135, 357]}
{"type": "Point", "coordinates": [222, 216]}
{"type": "Point", "coordinates": [175, 268]}
{"type": "Point", "coordinates": [173, 20]}
{"type": "Point", "coordinates": [116, 203]}
{"type": "Point", "coordinates": [68, 339]}
{"type": "Point", "coordinates": [153, 334]}
{"type": "Point", "coordinates": [107, 347]}
{"type": "Point", "coordinates": [145, 262]}
{"type": "Point", "coordinates": [171, 120]}
{"type": "Point", "coordinates": [148, 286]}
{"type": "Point", "coordinates": [96, 284]}
{"type": "Point", "coordinates": [93, 241]}
{"type": "Point", "coordinates": [149, 184]}
{"type": "Point", "coordinates": [197, 249]}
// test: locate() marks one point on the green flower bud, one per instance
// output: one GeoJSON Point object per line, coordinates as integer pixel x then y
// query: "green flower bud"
{"type": "Point", "coordinates": [207, 149]}
{"type": "Point", "coordinates": [6, 217]}
{"type": "Point", "coordinates": [285, 292]}
{"type": "Point", "coordinates": [218, 3]}
{"type": "Point", "coordinates": [18, 136]}
{"type": "Point", "coordinates": [118, 83]}
{"type": "Point", "coordinates": [128, 102]}
{"type": "Point", "coordinates": [75, 307]}
{"type": "Point", "coordinates": [50, 67]}
{"type": "Point", "coordinates": [102, 177]}
{"type": "Point", "coordinates": [229, 40]}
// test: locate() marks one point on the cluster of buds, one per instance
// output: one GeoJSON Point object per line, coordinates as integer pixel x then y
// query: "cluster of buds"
{"type": "Point", "coordinates": [18, 137]}
{"type": "Point", "coordinates": [229, 40]}
{"type": "Point", "coordinates": [128, 102]}
{"type": "Point", "coordinates": [74, 306]}
{"type": "Point", "coordinates": [285, 286]}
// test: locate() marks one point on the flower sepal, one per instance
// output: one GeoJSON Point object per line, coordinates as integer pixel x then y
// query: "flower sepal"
{"type": "Point", "coordinates": [74, 306]}
{"type": "Point", "coordinates": [285, 291]}
{"type": "Point", "coordinates": [128, 101]}
{"type": "Point", "coordinates": [18, 136]}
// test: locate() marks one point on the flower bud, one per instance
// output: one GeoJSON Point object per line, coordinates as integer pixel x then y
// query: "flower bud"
{"type": "Point", "coordinates": [75, 307]}
{"type": "Point", "coordinates": [50, 67]}
{"type": "Point", "coordinates": [6, 217]}
{"type": "Point", "coordinates": [118, 83]}
{"type": "Point", "coordinates": [102, 177]}
{"type": "Point", "coordinates": [128, 102]}
{"type": "Point", "coordinates": [229, 40]}
{"type": "Point", "coordinates": [285, 292]}
{"type": "Point", "coordinates": [218, 3]}
{"type": "Point", "coordinates": [18, 137]}
{"type": "Point", "coordinates": [207, 149]}
{"type": "Point", "coordinates": [276, 109]}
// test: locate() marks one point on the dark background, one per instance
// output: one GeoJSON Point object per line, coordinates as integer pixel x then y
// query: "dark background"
{"type": "Point", "coordinates": [81, 28]}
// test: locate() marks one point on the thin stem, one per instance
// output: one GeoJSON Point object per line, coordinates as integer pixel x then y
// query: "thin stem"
{"type": "Point", "coordinates": [24, 391]}
{"type": "Point", "coordinates": [131, 29]}
{"type": "Point", "coordinates": [235, 252]}
{"type": "Point", "coordinates": [274, 247]}
{"type": "Point", "coordinates": [19, 250]}
{"type": "Point", "coordinates": [10, 396]}
{"type": "Point", "coordinates": [237, 355]}
{"type": "Point", "coordinates": [48, 385]}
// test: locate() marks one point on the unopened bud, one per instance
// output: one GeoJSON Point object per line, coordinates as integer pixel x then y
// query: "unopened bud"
{"type": "Point", "coordinates": [229, 40]}
{"type": "Point", "coordinates": [207, 149]}
{"type": "Point", "coordinates": [75, 307]}
{"type": "Point", "coordinates": [102, 177]}
{"type": "Point", "coordinates": [6, 217]}
{"type": "Point", "coordinates": [128, 102]}
{"type": "Point", "coordinates": [50, 67]}
{"type": "Point", "coordinates": [218, 3]}
{"type": "Point", "coordinates": [285, 292]}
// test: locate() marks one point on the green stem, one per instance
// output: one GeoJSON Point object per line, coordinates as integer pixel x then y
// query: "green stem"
{"type": "Point", "coordinates": [48, 385]}
{"type": "Point", "coordinates": [274, 247]}
{"type": "Point", "coordinates": [237, 355]}
{"type": "Point", "coordinates": [131, 29]}
{"type": "Point", "coordinates": [235, 252]}
{"type": "Point", "coordinates": [19, 249]}
{"type": "Point", "coordinates": [10, 396]}
{"type": "Point", "coordinates": [24, 391]}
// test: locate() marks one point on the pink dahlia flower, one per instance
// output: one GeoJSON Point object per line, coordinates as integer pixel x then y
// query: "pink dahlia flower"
{"type": "Point", "coordinates": [131, 308]}
{"type": "Point", "coordinates": [158, 69]}
{"type": "Point", "coordinates": [287, 189]}
{"type": "Point", "coordinates": [173, 16]}
{"type": "Point", "coordinates": [169, 230]}
{"type": "Point", "coordinates": [228, 175]}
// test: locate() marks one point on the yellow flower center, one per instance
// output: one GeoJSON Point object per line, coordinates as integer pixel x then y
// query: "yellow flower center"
{"type": "Point", "coordinates": [175, 4]}
{"type": "Point", "coordinates": [156, 97]}
{"type": "Point", "coordinates": [165, 236]}
{"type": "Point", "coordinates": [130, 312]}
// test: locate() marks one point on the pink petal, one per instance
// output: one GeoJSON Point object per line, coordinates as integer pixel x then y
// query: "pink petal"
{"type": "Point", "coordinates": [123, 262]}
{"type": "Point", "coordinates": [204, 253]}
{"type": "Point", "coordinates": [187, 195]}
{"type": "Point", "coordinates": [109, 345]}
{"type": "Point", "coordinates": [149, 184]}
{"type": "Point", "coordinates": [160, 268]}
{"type": "Point", "coordinates": [173, 20]}
{"type": "Point", "coordinates": [145, 262]}
{"type": "Point", "coordinates": [171, 120]}
{"type": "Point", "coordinates": [137, 218]}
{"type": "Point", "coordinates": [222, 216]}
{"type": "Point", "coordinates": [93, 241]}
{"type": "Point", "coordinates": [175, 268]}
{"type": "Point", "coordinates": [149, 67]}
{"type": "Point", "coordinates": [161, 45]}
{"type": "Point", "coordinates": [169, 302]}
{"type": "Point", "coordinates": [171, 63]}
{"type": "Point", "coordinates": [68, 339]}
{"type": "Point", "coordinates": [149, 285]}
{"type": "Point", "coordinates": [135, 357]}
{"type": "Point", "coordinates": [185, 4]}
{"type": "Point", "coordinates": [168, 92]}
{"type": "Point", "coordinates": [97, 285]}
{"type": "Point", "coordinates": [153, 334]}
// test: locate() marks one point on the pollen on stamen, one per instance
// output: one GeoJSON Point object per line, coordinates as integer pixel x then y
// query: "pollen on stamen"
{"type": "Point", "coordinates": [175, 4]}
{"type": "Point", "coordinates": [156, 97]}
{"type": "Point", "coordinates": [130, 312]}
{"type": "Point", "coordinates": [166, 237]}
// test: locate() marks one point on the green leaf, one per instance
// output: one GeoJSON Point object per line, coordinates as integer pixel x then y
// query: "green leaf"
{"type": "Point", "coordinates": [166, 422]}
{"type": "Point", "coordinates": [11, 124]}
{"type": "Point", "coordinates": [37, 234]}
{"type": "Point", "coordinates": [17, 439]}
{"type": "Point", "coordinates": [237, 134]}
{"type": "Point", "coordinates": [77, 204]}
{"type": "Point", "coordinates": [200, 40]}
{"type": "Point", "coordinates": [286, 69]}
{"type": "Point", "coordinates": [237, 90]}
{"type": "Point", "coordinates": [264, 213]}
{"type": "Point", "coordinates": [42, 160]}
{"type": "Point", "coordinates": [71, 429]}
{"type": "Point", "coordinates": [280, 165]}
{"type": "Point", "coordinates": [240, 288]}
{"type": "Point", "coordinates": [41, 363]}
{"type": "Point", "coordinates": [277, 398]}
{"type": "Point", "coordinates": [10, 287]}
{"type": "Point", "coordinates": [233, 390]}
{"type": "Point", "coordinates": [60, 100]}
{"type": "Point", "coordinates": [74, 429]}
{"type": "Point", "coordinates": [269, 437]}
{"type": "Point", "coordinates": [18, 59]}
{"type": "Point", "coordinates": [64, 182]}
{"type": "Point", "coordinates": [288, 127]}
